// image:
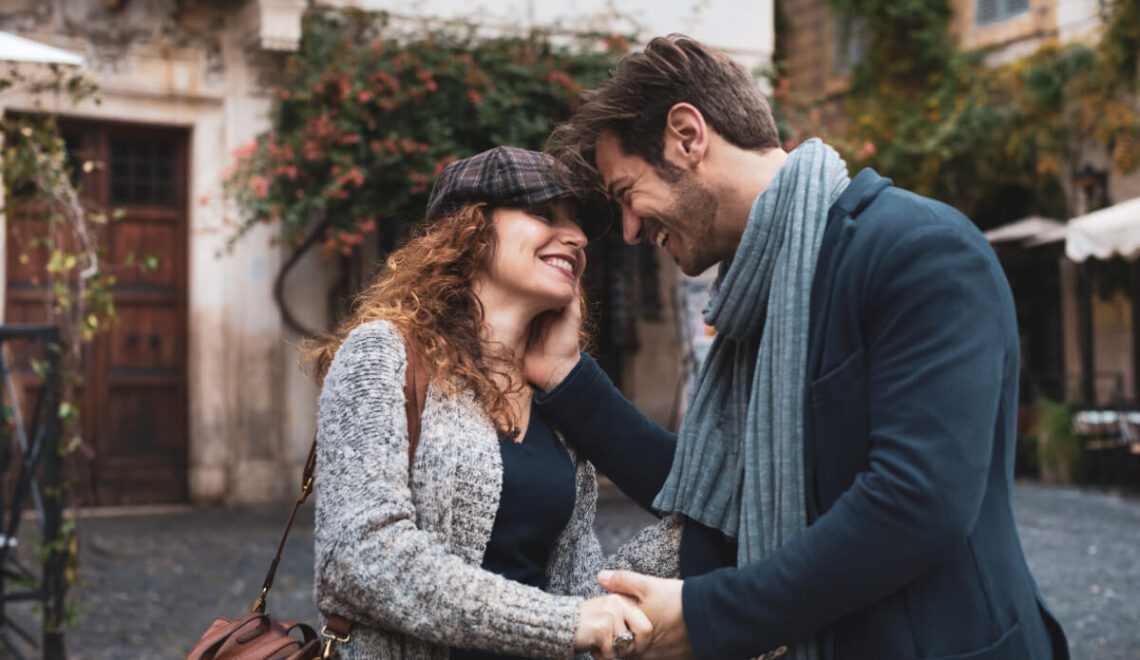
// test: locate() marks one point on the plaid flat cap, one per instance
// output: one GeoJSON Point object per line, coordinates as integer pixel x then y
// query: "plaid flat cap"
{"type": "Point", "coordinates": [514, 177]}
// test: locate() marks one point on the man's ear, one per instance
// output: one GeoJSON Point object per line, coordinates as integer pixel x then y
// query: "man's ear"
{"type": "Point", "coordinates": [686, 136]}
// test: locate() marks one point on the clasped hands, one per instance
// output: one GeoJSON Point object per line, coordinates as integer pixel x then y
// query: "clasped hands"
{"type": "Point", "coordinates": [647, 607]}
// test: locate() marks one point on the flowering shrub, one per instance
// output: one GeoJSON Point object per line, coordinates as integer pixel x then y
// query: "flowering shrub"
{"type": "Point", "coordinates": [368, 117]}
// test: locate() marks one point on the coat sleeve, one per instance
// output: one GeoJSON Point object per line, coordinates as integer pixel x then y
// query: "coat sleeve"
{"type": "Point", "coordinates": [937, 348]}
{"type": "Point", "coordinates": [604, 427]}
{"type": "Point", "coordinates": [373, 564]}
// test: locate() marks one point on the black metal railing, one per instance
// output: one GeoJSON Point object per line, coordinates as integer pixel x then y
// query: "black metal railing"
{"type": "Point", "coordinates": [31, 464]}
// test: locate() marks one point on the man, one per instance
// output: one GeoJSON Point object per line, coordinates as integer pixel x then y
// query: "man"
{"type": "Point", "coordinates": [845, 467]}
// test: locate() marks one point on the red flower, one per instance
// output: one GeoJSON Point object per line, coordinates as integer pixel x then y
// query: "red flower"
{"type": "Point", "coordinates": [245, 151]}
{"type": "Point", "coordinates": [560, 78]}
{"type": "Point", "coordinates": [475, 95]}
{"type": "Point", "coordinates": [442, 163]}
{"type": "Point", "coordinates": [616, 42]}
{"type": "Point", "coordinates": [259, 185]}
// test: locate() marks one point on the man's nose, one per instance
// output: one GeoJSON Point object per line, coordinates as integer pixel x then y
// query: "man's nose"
{"type": "Point", "coordinates": [631, 226]}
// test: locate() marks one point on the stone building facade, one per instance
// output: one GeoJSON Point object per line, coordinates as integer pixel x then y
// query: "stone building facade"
{"type": "Point", "coordinates": [200, 398]}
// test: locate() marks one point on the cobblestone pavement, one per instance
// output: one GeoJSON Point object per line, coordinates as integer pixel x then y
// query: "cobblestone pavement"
{"type": "Point", "coordinates": [152, 583]}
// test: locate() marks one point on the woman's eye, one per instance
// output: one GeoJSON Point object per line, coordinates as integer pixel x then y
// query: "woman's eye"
{"type": "Point", "coordinates": [543, 214]}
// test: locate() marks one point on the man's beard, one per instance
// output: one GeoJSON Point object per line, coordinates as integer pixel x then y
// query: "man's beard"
{"type": "Point", "coordinates": [694, 208]}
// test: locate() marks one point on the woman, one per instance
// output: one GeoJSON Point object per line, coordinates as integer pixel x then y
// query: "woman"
{"type": "Point", "coordinates": [486, 548]}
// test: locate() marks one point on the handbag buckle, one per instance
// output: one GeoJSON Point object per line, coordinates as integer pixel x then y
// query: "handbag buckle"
{"type": "Point", "coordinates": [259, 604]}
{"type": "Point", "coordinates": [333, 637]}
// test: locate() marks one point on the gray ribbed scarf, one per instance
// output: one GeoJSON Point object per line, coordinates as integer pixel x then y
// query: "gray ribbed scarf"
{"type": "Point", "coordinates": [743, 432]}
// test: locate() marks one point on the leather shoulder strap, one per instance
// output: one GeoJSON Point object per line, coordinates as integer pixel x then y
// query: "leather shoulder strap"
{"type": "Point", "coordinates": [415, 391]}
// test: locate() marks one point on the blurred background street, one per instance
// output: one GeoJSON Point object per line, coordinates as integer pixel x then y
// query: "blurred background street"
{"type": "Point", "coordinates": [151, 583]}
{"type": "Point", "coordinates": [190, 188]}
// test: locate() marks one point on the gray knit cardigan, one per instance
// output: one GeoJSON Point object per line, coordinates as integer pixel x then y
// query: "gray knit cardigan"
{"type": "Point", "coordinates": [402, 558]}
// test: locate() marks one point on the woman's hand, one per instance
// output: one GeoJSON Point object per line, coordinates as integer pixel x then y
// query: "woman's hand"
{"type": "Point", "coordinates": [602, 619]}
{"type": "Point", "coordinates": [553, 350]}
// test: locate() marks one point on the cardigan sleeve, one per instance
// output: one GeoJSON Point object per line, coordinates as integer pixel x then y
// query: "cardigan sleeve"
{"type": "Point", "coordinates": [654, 551]}
{"type": "Point", "coordinates": [373, 564]}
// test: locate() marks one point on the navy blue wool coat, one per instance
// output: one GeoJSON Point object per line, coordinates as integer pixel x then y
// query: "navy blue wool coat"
{"type": "Point", "coordinates": [909, 431]}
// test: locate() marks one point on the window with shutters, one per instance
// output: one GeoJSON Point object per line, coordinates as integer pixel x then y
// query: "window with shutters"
{"type": "Point", "coordinates": [992, 11]}
{"type": "Point", "coordinates": [851, 42]}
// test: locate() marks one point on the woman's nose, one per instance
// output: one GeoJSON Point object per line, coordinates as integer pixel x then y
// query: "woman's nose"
{"type": "Point", "coordinates": [573, 235]}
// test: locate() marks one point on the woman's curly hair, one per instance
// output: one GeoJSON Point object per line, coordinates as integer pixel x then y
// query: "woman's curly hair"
{"type": "Point", "coordinates": [426, 290]}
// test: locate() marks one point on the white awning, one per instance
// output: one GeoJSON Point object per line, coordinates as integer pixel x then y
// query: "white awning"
{"type": "Point", "coordinates": [19, 49]}
{"type": "Point", "coordinates": [1023, 229]}
{"type": "Point", "coordinates": [1105, 233]}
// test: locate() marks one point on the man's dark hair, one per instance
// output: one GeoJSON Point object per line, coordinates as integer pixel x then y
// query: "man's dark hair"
{"type": "Point", "coordinates": [634, 101]}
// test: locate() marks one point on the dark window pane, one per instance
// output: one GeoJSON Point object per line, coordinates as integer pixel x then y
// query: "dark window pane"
{"type": "Point", "coordinates": [990, 11]}
{"type": "Point", "coordinates": [987, 11]}
{"type": "Point", "coordinates": [163, 195]}
{"type": "Point", "coordinates": [142, 171]}
{"type": "Point", "coordinates": [1016, 6]}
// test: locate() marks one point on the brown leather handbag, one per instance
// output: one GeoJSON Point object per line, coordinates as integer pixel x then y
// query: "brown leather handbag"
{"type": "Point", "coordinates": [258, 636]}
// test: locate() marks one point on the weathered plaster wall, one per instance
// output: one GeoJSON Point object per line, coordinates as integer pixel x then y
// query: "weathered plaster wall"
{"type": "Point", "coordinates": [743, 29]}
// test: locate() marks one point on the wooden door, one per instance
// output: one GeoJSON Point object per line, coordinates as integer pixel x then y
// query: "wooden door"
{"type": "Point", "coordinates": [134, 386]}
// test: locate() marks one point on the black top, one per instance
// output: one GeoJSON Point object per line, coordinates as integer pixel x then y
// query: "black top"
{"type": "Point", "coordinates": [536, 503]}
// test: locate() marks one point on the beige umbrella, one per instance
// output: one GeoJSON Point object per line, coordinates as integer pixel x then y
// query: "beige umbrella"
{"type": "Point", "coordinates": [1105, 233]}
{"type": "Point", "coordinates": [1026, 229]}
{"type": "Point", "coordinates": [19, 49]}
